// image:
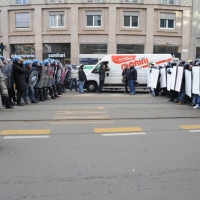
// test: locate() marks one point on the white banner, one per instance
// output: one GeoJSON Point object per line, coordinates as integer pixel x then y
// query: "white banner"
{"type": "Point", "coordinates": [179, 79]}
{"type": "Point", "coordinates": [169, 80]}
{"type": "Point", "coordinates": [196, 80]}
{"type": "Point", "coordinates": [188, 83]}
{"type": "Point", "coordinates": [163, 78]}
{"type": "Point", "coordinates": [154, 78]}
{"type": "Point", "coordinates": [173, 77]}
{"type": "Point", "coordinates": [148, 78]}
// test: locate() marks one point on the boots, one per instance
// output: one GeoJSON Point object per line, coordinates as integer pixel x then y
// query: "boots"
{"type": "Point", "coordinates": [63, 90]}
{"type": "Point", "coordinates": [45, 93]}
{"type": "Point", "coordinates": [36, 95]}
{"type": "Point", "coordinates": [7, 102]}
{"type": "Point", "coordinates": [51, 93]}
{"type": "Point", "coordinates": [41, 95]}
{"type": "Point", "coordinates": [55, 91]}
{"type": "Point", "coordinates": [58, 89]}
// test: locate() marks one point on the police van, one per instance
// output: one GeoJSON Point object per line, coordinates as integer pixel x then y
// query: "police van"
{"type": "Point", "coordinates": [117, 62]}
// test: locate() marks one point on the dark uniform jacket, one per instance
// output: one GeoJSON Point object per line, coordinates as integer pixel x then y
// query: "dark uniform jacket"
{"type": "Point", "coordinates": [82, 76]}
{"type": "Point", "coordinates": [19, 76]}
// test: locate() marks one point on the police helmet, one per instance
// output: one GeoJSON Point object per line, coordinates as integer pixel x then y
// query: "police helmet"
{"type": "Point", "coordinates": [27, 63]}
{"type": "Point", "coordinates": [35, 62]}
{"type": "Point", "coordinates": [186, 65]}
{"type": "Point", "coordinates": [173, 63]}
{"type": "Point", "coordinates": [182, 62]}
{"type": "Point", "coordinates": [16, 58]}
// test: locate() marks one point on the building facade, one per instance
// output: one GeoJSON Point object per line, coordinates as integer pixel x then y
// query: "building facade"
{"type": "Point", "coordinates": [83, 31]}
{"type": "Point", "coordinates": [195, 38]}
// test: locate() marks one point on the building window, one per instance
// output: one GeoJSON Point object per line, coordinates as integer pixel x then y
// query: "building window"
{"type": "Point", "coordinates": [56, 19]}
{"type": "Point", "coordinates": [93, 48]}
{"type": "Point", "coordinates": [93, 1]}
{"type": "Point", "coordinates": [22, 20]}
{"type": "Point", "coordinates": [20, 2]}
{"type": "Point", "coordinates": [131, 1]}
{"type": "Point", "coordinates": [93, 19]}
{"type": "Point", "coordinates": [170, 2]}
{"type": "Point", "coordinates": [167, 20]}
{"type": "Point", "coordinates": [131, 19]}
{"type": "Point", "coordinates": [130, 49]}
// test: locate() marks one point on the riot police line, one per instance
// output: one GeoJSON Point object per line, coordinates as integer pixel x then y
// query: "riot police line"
{"type": "Point", "coordinates": [35, 80]}
{"type": "Point", "coordinates": [179, 80]}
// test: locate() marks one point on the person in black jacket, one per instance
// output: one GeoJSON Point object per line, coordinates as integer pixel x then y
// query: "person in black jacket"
{"type": "Point", "coordinates": [132, 77]}
{"type": "Point", "coordinates": [102, 76]}
{"type": "Point", "coordinates": [124, 75]}
{"type": "Point", "coordinates": [19, 78]}
{"type": "Point", "coordinates": [82, 78]}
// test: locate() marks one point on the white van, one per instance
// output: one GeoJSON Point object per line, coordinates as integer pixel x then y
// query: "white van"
{"type": "Point", "coordinates": [116, 63]}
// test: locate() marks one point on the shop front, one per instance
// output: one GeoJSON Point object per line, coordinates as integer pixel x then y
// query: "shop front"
{"type": "Point", "coordinates": [25, 51]}
{"type": "Point", "coordinates": [58, 51]}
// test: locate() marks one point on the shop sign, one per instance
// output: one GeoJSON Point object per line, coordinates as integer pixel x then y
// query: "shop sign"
{"type": "Point", "coordinates": [24, 55]}
{"type": "Point", "coordinates": [56, 55]}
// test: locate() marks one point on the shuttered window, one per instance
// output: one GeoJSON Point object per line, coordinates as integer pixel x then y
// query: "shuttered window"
{"type": "Point", "coordinates": [167, 20]}
{"type": "Point", "coordinates": [22, 20]}
{"type": "Point", "coordinates": [131, 19]}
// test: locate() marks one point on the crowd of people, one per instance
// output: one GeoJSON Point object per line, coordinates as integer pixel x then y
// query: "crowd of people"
{"type": "Point", "coordinates": [27, 81]}
{"type": "Point", "coordinates": [180, 98]}
{"type": "Point", "coordinates": [36, 80]}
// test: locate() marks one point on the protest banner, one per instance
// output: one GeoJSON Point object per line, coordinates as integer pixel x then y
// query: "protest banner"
{"type": "Point", "coordinates": [169, 80]}
{"type": "Point", "coordinates": [154, 78]}
{"type": "Point", "coordinates": [173, 77]}
{"type": "Point", "coordinates": [163, 78]}
{"type": "Point", "coordinates": [196, 80]}
{"type": "Point", "coordinates": [179, 79]}
{"type": "Point", "coordinates": [188, 83]}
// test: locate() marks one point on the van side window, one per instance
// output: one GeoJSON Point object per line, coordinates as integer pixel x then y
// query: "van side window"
{"type": "Point", "coordinates": [96, 69]}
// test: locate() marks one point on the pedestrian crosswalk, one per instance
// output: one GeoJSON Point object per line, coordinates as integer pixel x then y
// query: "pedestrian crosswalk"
{"type": "Point", "coordinates": [81, 115]}
{"type": "Point", "coordinates": [105, 131]}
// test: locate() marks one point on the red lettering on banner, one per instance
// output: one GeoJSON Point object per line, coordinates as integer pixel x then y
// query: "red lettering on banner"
{"type": "Point", "coordinates": [140, 63]}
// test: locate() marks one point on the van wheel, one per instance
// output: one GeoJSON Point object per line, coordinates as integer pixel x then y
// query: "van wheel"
{"type": "Point", "coordinates": [91, 87]}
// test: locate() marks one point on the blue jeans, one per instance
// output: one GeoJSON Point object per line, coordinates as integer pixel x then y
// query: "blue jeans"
{"type": "Point", "coordinates": [195, 98]}
{"type": "Point", "coordinates": [101, 84]}
{"type": "Point", "coordinates": [73, 80]}
{"type": "Point", "coordinates": [198, 101]}
{"type": "Point", "coordinates": [181, 94]}
{"type": "Point", "coordinates": [131, 84]}
{"type": "Point", "coordinates": [29, 92]}
{"type": "Point", "coordinates": [81, 84]}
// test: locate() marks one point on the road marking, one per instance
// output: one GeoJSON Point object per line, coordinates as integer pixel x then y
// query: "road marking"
{"type": "Point", "coordinates": [190, 127]}
{"type": "Point", "coordinates": [86, 122]}
{"type": "Point", "coordinates": [79, 112]}
{"type": "Point", "coordinates": [123, 134]}
{"type": "Point", "coordinates": [101, 108]}
{"type": "Point", "coordinates": [194, 131]}
{"type": "Point", "coordinates": [82, 117]}
{"type": "Point", "coordinates": [25, 137]}
{"type": "Point", "coordinates": [26, 132]}
{"type": "Point", "coordinates": [118, 130]}
{"type": "Point", "coordinates": [81, 108]}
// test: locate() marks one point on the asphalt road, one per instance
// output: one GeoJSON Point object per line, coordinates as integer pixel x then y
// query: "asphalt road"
{"type": "Point", "coordinates": [108, 146]}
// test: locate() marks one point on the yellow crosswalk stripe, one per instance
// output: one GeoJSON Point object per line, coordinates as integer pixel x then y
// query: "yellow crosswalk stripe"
{"type": "Point", "coordinates": [190, 127]}
{"type": "Point", "coordinates": [26, 132]}
{"type": "Point", "coordinates": [118, 130]}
